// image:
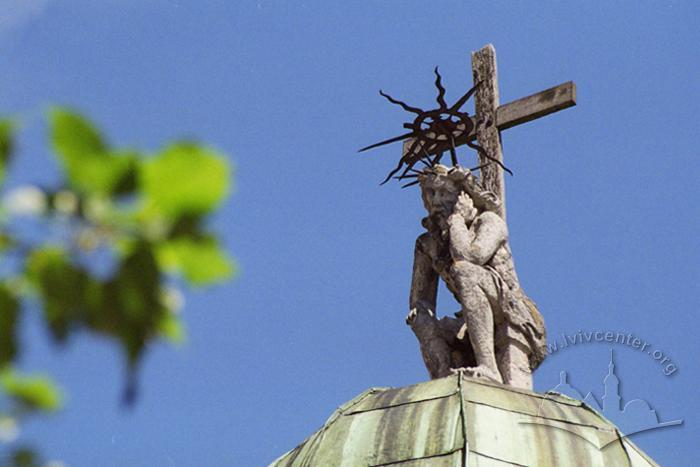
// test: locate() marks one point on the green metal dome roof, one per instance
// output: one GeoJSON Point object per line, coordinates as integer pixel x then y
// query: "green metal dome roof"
{"type": "Point", "coordinates": [462, 421]}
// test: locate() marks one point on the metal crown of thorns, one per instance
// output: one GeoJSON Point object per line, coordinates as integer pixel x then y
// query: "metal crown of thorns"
{"type": "Point", "coordinates": [434, 132]}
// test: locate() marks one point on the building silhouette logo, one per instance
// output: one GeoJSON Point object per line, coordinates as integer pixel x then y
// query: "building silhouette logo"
{"type": "Point", "coordinates": [632, 417]}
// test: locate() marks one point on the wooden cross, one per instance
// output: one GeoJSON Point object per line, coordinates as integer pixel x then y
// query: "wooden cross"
{"type": "Point", "coordinates": [504, 116]}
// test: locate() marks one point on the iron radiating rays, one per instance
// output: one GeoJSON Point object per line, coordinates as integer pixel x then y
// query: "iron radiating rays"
{"type": "Point", "coordinates": [434, 132]}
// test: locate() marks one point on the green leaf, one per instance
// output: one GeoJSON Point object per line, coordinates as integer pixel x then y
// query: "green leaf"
{"type": "Point", "coordinates": [6, 145]}
{"type": "Point", "coordinates": [6, 241]}
{"type": "Point", "coordinates": [25, 456]}
{"type": "Point", "coordinates": [91, 167]}
{"type": "Point", "coordinates": [63, 287]}
{"type": "Point", "coordinates": [185, 179]}
{"type": "Point", "coordinates": [9, 315]}
{"type": "Point", "coordinates": [201, 261]}
{"type": "Point", "coordinates": [72, 135]}
{"type": "Point", "coordinates": [171, 327]}
{"type": "Point", "coordinates": [35, 391]}
{"type": "Point", "coordinates": [132, 300]}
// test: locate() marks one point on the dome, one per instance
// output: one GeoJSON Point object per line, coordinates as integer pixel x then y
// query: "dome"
{"type": "Point", "coordinates": [459, 421]}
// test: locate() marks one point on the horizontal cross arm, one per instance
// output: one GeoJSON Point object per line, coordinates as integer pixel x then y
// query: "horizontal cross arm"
{"type": "Point", "coordinates": [536, 106]}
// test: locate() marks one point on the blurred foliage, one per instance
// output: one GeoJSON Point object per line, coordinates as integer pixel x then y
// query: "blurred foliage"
{"type": "Point", "coordinates": [111, 245]}
{"type": "Point", "coordinates": [31, 391]}
{"type": "Point", "coordinates": [6, 141]}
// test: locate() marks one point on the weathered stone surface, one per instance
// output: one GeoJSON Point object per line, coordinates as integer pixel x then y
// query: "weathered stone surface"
{"type": "Point", "coordinates": [499, 333]}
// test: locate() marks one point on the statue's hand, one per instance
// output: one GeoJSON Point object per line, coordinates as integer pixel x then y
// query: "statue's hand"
{"type": "Point", "coordinates": [460, 223]}
{"type": "Point", "coordinates": [463, 209]}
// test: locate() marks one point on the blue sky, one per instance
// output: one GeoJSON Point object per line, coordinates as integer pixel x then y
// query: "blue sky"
{"type": "Point", "coordinates": [603, 208]}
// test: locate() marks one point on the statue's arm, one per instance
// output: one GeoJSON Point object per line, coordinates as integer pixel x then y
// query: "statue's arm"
{"type": "Point", "coordinates": [461, 238]}
{"type": "Point", "coordinates": [479, 244]}
{"type": "Point", "coordinates": [424, 283]}
{"type": "Point", "coordinates": [422, 317]}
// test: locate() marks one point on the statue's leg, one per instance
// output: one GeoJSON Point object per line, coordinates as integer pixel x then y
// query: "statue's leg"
{"type": "Point", "coordinates": [513, 357]}
{"type": "Point", "coordinates": [477, 294]}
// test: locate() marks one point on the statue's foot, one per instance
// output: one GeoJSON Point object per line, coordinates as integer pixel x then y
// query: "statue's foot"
{"type": "Point", "coordinates": [481, 371]}
{"type": "Point", "coordinates": [413, 314]}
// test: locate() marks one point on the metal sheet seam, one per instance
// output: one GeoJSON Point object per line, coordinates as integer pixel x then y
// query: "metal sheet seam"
{"type": "Point", "coordinates": [353, 402]}
{"type": "Point", "coordinates": [463, 416]}
{"type": "Point", "coordinates": [569, 422]}
{"type": "Point", "coordinates": [434, 456]}
{"type": "Point", "coordinates": [624, 448]}
{"type": "Point", "coordinates": [497, 459]}
{"type": "Point", "coordinates": [316, 439]}
{"type": "Point", "coordinates": [446, 396]}
{"type": "Point", "coordinates": [566, 399]}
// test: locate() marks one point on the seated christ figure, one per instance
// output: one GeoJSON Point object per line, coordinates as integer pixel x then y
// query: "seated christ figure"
{"type": "Point", "coordinates": [498, 334]}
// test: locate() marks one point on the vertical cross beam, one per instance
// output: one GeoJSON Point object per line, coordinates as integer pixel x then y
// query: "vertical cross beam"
{"type": "Point", "coordinates": [488, 137]}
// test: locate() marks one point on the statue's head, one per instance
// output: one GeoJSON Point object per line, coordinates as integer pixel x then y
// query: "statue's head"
{"type": "Point", "coordinates": [441, 186]}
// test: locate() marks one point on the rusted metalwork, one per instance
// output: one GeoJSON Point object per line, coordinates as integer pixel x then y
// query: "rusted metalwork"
{"type": "Point", "coordinates": [434, 132]}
